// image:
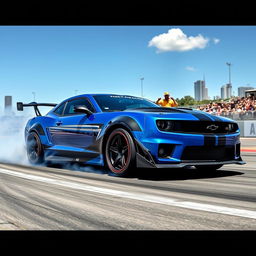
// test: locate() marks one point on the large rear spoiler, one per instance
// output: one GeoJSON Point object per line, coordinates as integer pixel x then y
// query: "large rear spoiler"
{"type": "Point", "coordinates": [21, 105]}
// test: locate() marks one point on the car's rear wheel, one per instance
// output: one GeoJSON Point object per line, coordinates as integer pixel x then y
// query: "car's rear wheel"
{"type": "Point", "coordinates": [35, 151]}
{"type": "Point", "coordinates": [120, 152]}
{"type": "Point", "coordinates": [208, 168]}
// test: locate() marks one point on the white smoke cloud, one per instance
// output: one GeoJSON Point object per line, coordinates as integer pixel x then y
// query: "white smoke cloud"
{"type": "Point", "coordinates": [12, 141]}
{"type": "Point", "coordinates": [176, 40]}
{"type": "Point", "coordinates": [13, 148]}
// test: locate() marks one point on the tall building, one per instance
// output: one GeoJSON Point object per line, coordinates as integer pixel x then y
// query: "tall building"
{"type": "Point", "coordinates": [8, 104]}
{"type": "Point", "coordinates": [226, 91]}
{"type": "Point", "coordinates": [242, 89]}
{"type": "Point", "coordinates": [201, 92]}
{"type": "Point", "coordinates": [223, 93]}
{"type": "Point", "coordinates": [229, 90]}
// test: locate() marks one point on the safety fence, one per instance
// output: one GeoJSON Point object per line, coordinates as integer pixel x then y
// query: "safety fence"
{"type": "Point", "coordinates": [248, 115]}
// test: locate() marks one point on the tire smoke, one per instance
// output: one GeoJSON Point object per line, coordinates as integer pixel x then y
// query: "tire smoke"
{"type": "Point", "coordinates": [12, 142]}
{"type": "Point", "coordinates": [13, 147]}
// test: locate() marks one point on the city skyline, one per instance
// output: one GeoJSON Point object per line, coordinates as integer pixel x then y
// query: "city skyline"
{"type": "Point", "coordinates": [200, 89]}
{"type": "Point", "coordinates": [226, 91]}
{"type": "Point", "coordinates": [51, 63]}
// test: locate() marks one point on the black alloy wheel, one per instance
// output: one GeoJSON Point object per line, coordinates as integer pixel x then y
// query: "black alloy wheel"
{"type": "Point", "coordinates": [34, 149]}
{"type": "Point", "coordinates": [120, 152]}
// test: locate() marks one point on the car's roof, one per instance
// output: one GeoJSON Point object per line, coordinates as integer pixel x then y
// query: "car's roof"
{"type": "Point", "coordinates": [95, 94]}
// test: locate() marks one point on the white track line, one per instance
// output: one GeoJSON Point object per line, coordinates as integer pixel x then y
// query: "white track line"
{"type": "Point", "coordinates": [138, 196]}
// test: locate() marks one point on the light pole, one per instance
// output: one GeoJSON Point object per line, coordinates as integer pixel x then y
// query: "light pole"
{"type": "Point", "coordinates": [141, 79]}
{"type": "Point", "coordinates": [229, 68]}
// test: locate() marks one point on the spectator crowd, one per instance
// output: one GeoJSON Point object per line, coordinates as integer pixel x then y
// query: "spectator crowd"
{"type": "Point", "coordinates": [236, 108]}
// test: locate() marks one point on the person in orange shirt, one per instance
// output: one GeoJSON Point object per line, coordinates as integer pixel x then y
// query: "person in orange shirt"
{"type": "Point", "coordinates": [167, 101]}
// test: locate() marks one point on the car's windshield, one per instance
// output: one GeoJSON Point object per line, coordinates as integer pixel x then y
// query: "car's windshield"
{"type": "Point", "coordinates": [122, 102]}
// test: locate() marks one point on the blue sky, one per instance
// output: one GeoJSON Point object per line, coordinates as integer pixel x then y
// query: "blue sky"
{"type": "Point", "coordinates": [55, 62]}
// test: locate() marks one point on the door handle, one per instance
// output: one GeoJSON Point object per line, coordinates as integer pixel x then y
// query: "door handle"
{"type": "Point", "coordinates": [58, 123]}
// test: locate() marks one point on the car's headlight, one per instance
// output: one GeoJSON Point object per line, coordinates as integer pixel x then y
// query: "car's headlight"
{"type": "Point", "coordinates": [165, 125]}
{"type": "Point", "coordinates": [232, 127]}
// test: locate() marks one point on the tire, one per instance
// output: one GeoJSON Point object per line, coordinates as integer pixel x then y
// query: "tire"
{"type": "Point", "coordinates": [208, 168]}
{"type": "Point", "coordinates": [35, 150]}
{"type": "Point", "coordinates": [120, 153]}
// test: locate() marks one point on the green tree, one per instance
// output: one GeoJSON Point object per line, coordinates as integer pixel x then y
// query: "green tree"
{"type": "Point", "coordinates": [186, 101]}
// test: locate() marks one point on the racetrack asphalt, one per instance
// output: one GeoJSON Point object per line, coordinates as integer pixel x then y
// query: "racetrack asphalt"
{"type": "Point", "coordinates": [47, 198]}
{"type": "Point", "coordinates": [248, 144]}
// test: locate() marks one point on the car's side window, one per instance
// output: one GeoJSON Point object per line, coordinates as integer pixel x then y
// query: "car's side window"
{"type": "Point", "coordinates": [70, 107]}
{"type": "Point", "coordinates": [59, 110]}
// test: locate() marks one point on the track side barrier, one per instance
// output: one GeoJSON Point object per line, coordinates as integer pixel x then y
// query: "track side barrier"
{"type": "Point", "coordinates": [247, 128]}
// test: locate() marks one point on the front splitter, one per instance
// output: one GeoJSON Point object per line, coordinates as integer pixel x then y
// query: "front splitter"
{"type": "Point", "coordinates": [195, 163]}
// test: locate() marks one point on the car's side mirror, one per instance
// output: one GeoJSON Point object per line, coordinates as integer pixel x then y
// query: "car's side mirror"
{"type": "Point", "coordinates": [82, 109]}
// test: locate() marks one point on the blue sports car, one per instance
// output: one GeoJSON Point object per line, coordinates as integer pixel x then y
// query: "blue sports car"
{"type": "Point", "coordinates": [124, 133]}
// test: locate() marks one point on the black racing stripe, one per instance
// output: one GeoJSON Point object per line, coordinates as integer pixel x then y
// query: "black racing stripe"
{"type": "Point", "coordinates": [157, 109]}
{"type": "Point", "coordinates": [209, 140]}
{"type": "Point", "coordinates": [221, 140]}
{"type": "Point", "coordinates": [200, 116]}
{"type": "Point", "coordinates": [216, 118]}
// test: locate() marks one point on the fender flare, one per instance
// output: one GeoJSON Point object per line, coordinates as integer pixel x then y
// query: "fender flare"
{"type": "Point", "coordinates": [37, 128]}
{"type": "Point", "coordinates": [143, 157]}
{"type": "Point", "coordinates": [129, 122]}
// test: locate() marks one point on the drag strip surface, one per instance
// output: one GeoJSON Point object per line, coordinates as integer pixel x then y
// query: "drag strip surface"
{"type": "Point", "coordinates": [45, 198]}
{"type": "Point", "coordinates": [137, 196]}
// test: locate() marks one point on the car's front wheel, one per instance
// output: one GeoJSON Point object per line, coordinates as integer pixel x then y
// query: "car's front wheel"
{"type": "Point", "coordinates": [35, 151]}
{"type": "Point", "coordinates": [120, 152]}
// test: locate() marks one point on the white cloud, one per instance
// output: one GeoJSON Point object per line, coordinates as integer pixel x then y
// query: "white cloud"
{"type": "Point", "coordinates": [189, 68]}
{"type": "Point", "coordinates": [176, 40]}
{"type": "Point", "coordinates": [216, 40]}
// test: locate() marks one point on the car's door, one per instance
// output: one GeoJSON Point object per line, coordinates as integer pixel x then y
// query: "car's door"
{"type": "Point", "coordinates": [74, 130]}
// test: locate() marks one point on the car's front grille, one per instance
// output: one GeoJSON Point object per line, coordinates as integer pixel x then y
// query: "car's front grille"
{"type": "Point", "coordinates": [203, 127]}
{"type": "Point", "coordinates": [212, 153]}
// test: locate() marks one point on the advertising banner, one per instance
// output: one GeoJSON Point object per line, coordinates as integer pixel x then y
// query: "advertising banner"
{"type": "Point", "coordinates": [250, 128]}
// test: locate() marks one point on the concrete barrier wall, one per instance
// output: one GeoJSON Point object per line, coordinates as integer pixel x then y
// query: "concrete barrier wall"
{"type": "Point", "coordinates": [247, 128]}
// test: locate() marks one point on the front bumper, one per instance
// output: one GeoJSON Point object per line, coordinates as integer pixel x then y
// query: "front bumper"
{"type": "Point", "coordinates": [143, 162]}
{"type": "Point", "coordinates": [189, 150]}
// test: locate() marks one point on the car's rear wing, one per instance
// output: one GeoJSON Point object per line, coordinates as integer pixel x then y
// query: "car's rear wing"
{"type": "Point", "coordinates": [21, 105]}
